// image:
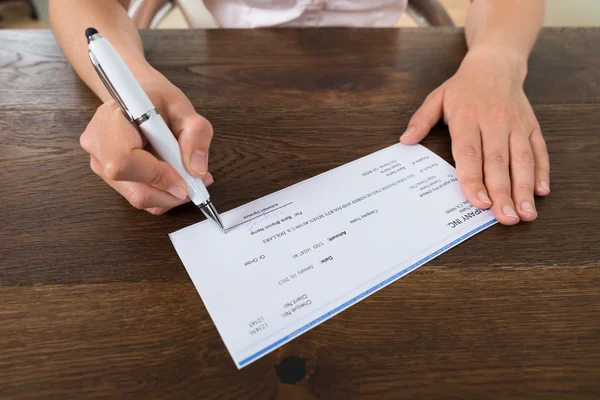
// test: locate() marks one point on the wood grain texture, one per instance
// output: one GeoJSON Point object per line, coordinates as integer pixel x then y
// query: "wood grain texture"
{"type": "Point", "coordinates": [300, 69]}
{"type": "Point", "coordinates": [517, 331]}
{"type": "Point", "coordinates": [96, 304]}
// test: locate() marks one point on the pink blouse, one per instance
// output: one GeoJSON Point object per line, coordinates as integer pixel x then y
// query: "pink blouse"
{"type": "Point", "coordinates": [305, 13]}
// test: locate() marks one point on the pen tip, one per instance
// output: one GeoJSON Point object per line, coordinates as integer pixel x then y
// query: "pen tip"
{"type": "Point", "coordinates": [211, 213]}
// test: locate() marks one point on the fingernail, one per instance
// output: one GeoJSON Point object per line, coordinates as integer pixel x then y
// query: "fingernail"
{"type": "Point", "coordinates": [484, 197]}
{"type": "Point", "coordinates": [545, 186]}
{"type": "Point", "coordinates": [408, 132]}
{"type": "Point", "coordinates": [208, 181]}
{"type": "Point", "coordinates": [527, 206]}
{"type": "Point", "coordinates": [509, 212]}
{"type": "Point", "coordinates": [199, 164]}
{"type": "Point", "coordinates": [177, 191]}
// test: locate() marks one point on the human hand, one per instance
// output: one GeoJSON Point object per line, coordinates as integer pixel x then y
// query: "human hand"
{"type": "Point", "coordinates": [118, 156]}
{"type": "Point", "coordinates": [500, 153]}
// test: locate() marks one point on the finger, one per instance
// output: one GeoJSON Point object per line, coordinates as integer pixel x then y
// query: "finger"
{"type": "Point", "coordinates": [542, 163]}
{"type": "Point", "coordinates": [522, 175]}
{"type": "Point", "coordinates": [122, 159]}
{"type": "Point", "coordinates": [140, 166]}
{"type": "Point", "coordinates": [116, 133]}
{"type": "Point", "coordinates": [496, 173]}
{"type": "Point", "coordinates": [194, 135]}
{"type": "Point", "coordinates": [149, 198]}
{"type": "Point", "coordinates": [140, 195]}
{"type": "Point", "coordinates": [426, 117]}
{"type": "Point", "coordinates": [466, 150]}
{"type": "Point", "coordinates": [144, 196]}
{"type": "Point", "coordinates": [95, 128]}
{"type": "Point", "coordinates": [156, 210]}
{"type": "Point", "coordinates": [193, 132]}
{"type": "Point", "coordinates": [96, 167]}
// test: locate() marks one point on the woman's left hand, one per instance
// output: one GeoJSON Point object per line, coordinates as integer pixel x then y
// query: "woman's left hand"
{"type": "Point", "coordinates": [500, 153]}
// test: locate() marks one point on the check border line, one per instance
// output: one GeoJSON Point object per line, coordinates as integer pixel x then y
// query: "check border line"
{"type": "Point", "coordinates": [364, 294]}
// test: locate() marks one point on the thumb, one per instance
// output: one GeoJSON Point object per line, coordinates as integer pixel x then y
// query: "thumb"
{"type": "Point", "coordinates": [425, 118]}
{"type": "Point", "coordinates": [194, 134]}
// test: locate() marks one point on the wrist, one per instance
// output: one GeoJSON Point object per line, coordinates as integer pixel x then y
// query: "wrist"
{"type": "Point", "coordinates": [145, 74]}
{"type": "Point", "coordinates": [499, 57]}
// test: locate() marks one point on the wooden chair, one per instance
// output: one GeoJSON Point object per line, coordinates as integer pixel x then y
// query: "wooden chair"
{"type": "Point", "coordinates": [6, 4]}
{"type": "Point", "coordinates": [149, 13]}
{"type": "Point", "coordinates": [428, 13]}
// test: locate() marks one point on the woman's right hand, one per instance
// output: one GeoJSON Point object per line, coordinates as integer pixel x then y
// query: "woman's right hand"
{"type": "Point", "coordinates": [117, 152]}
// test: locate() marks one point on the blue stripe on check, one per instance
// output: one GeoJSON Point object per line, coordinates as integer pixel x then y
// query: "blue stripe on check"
{"type": "Point", "coordinates": [364, 294]}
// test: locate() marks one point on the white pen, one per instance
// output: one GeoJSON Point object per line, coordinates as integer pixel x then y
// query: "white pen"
{"type": "Point", "coordinates": [138, 108]}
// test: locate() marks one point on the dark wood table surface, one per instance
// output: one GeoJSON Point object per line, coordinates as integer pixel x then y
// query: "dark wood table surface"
{"type": "Point", "coordinates": [95, 302]}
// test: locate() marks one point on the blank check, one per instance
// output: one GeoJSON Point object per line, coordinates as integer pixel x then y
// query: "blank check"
{"type": "Point", "coordinates": [297, 257]}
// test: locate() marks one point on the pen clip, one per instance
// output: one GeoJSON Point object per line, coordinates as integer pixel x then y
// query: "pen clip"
{"type": "Point", "coordinates": [109, 86]}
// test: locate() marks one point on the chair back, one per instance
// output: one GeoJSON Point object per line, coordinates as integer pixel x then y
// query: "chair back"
{"type": "Point", "coordinates": [428, 13]}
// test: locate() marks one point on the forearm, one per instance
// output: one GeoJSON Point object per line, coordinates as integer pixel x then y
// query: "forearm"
{"type": "Point", "coordinates": [508, 26]}
{"type": "Point", "coordinates": [70, 18]}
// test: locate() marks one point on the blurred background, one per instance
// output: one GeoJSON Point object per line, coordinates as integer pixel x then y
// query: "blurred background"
{"type": "Point", "coordinates": [33, 14]}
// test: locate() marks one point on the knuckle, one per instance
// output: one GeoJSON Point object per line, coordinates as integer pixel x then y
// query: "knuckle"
{"type": "Point", "coordinates": [497, 158]}
{"type": "Point", "coordinates": [138, 200]}
{"type": "Point", "coordinates": [470, 179]}
{"type": "Point", "coordinates": [424, 114]}
{"type": "Point", "coordinates": [156, 210]}
{"type": "Point", "coordinates": [202, 126]}
{"type": "Point", "coordinates": [468, 113]}
{"type": "Point", "coordinates": [543, 170]}
{"type": "Point", "coordinates": [469, 151]}
{"type": "Point", "coordinates": [524, 187]}
{"type": "Point", "coordinates": [94, 166]}
{"type": "Point", "coordinates": [157, 177]}
{"type": "Point", "coordinates": [499, 191]}
{"type": "Point", "coordinates": [432, 95]}
{"type": "Point", "coordinates": [540, 145]}
{"type": "Point", "coordinates": [114, 168]}
{"type": "Point", "coordinates": [431, 98]}
{"type": "Point", "coordinates": [85, 141]}
{"type": "Point", "coordinates": [524, 157]}
{"type": "Point", "coordinates": [535, 125]}
{"type": "Point", "coordinates": [499, 114]}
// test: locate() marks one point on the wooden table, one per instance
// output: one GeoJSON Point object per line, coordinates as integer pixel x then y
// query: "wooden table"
{"type": "Point", "coordinates": [96, 304]}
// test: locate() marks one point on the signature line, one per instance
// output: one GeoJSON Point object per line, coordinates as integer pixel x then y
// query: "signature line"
{"type": "Point", "coordinates": [258, 216]}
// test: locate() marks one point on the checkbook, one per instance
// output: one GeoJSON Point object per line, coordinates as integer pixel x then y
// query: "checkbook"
{"type": "Point", "coordinates": [297, 257]}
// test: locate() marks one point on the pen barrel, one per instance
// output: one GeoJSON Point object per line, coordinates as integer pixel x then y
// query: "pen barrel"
{"type": "Point", "coordinates": [121, 78]}
{"type": "Point", "coordinates": [160, 137]}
